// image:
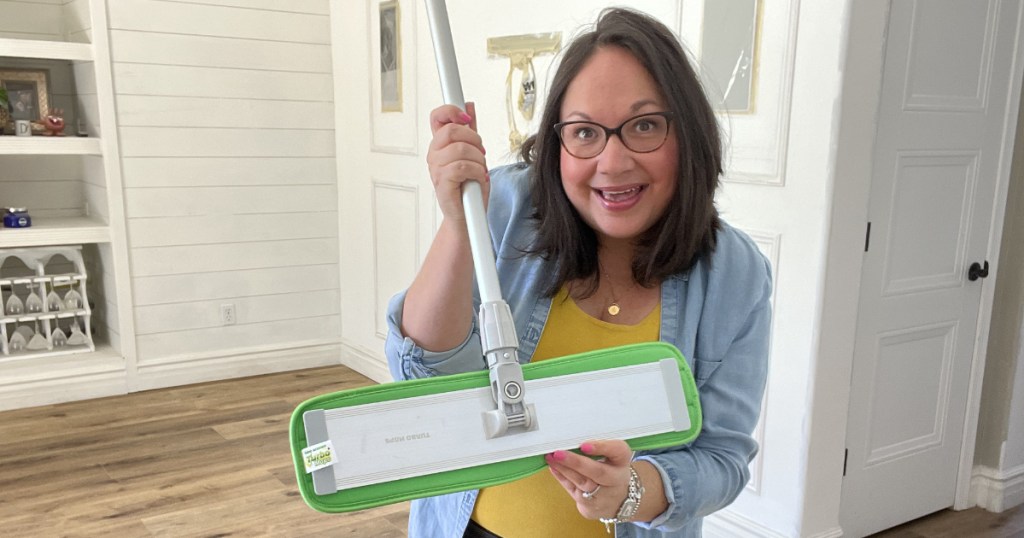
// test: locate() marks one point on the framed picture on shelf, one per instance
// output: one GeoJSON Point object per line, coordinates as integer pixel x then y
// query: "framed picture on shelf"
{"type": "Point", "coordinates": [27, 93]}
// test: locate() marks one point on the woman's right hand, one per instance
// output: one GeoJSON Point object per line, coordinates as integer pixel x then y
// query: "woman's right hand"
{"type": "Point", "coordinates": [456, 154]}
{"type": "Point", "coordinates": [438, 310]}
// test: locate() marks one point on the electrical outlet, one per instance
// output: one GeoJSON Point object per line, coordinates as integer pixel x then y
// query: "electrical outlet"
{"type": "Point", "coordinates": [227, 314]}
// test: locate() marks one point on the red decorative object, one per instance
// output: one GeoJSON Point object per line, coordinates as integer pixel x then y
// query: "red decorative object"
{"type": "Point", "coordinates": [54, 123]}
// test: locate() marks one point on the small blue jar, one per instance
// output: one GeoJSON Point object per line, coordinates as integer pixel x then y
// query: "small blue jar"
{"type": "Point", "coordinates": [17, 217]}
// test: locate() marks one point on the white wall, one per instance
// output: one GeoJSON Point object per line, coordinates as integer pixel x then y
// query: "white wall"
{"type": "Point", "coordinates": [1007, 316]}
{"type": "Point", "coordinates": [861, 68]}
{"type": "Point", "coordinates": [225, 116]}
{"type": "Point", "coordinates": [31, 19]}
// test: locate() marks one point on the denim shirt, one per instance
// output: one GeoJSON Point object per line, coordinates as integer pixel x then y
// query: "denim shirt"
{"type": "Point", "coordinates": [717, 313]}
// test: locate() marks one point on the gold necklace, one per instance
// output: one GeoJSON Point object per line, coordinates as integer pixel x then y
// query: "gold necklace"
{"type": "Point", "coordinates": [613, 309]}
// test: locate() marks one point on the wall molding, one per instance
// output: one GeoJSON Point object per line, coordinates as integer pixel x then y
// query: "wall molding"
{"type": "Point", "coordinates": [93, 381]}
{"type": "Point", "coordinates": [364, 362]}
{"type": "Point", "coordinates": [836, 532]}
{"type": "Point", "coordinates": [377, 185]}
{"type": "Point", "coordinates": [67, 389]}
{"type": "Point", "coordinates": [105, 372]}
{"type": "Point", "coordinates": [188, 369]}
{"type": "Point", "coordinates": [997, 490]}
{"type": "Point", "coordinates": [773, 172]}
{"type": "Point", "coordinates": [729, 524]}
{"type": "Point", "coordinates": [769, 244]}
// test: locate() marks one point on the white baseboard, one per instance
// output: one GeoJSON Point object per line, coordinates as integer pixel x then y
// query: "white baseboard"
{"type": "Point", "coordinates": [30, 383]}
{"type": "Point", "coordinates": [365, 362]}
{"type": "Point", "coordinates": [997, 490]}
{"type": "Point", "coordinates": [831, 533]}
{"type": "Point", "coordinates": [185, 370]}
{"type": "Point", "coordinates": [61, 390]}
{"type": "Point", "coordinates": [729, 524]}
{"type": "Point", "coordinates": [104, 373]}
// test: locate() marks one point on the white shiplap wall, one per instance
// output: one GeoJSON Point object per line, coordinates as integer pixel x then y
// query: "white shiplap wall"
{"type": "Point", "coordinates": [31, 19]}
{"type": "Point", "coordinates": [225, 118]}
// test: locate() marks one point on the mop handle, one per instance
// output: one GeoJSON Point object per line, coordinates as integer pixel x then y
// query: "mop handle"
{"type": "Point", "coordinates": [497, 328]}
{"type": "Point", "coordinates": [472, 194]}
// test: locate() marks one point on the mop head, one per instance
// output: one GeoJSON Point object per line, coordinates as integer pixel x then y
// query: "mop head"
{"type": "Point", "coordinates": [377, 445]}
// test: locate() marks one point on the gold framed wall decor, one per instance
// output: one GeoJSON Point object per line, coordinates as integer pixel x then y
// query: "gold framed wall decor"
{"type": "Point", "coordinates": [520, 51]}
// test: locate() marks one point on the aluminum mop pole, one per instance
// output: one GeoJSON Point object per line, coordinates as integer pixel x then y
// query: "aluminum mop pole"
{"type": "Point", "coordinates": [497, 331]}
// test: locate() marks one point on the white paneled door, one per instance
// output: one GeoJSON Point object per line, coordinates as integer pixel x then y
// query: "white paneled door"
{"type": "Point", "coordinates": [943, 137]}
{"type": "Point", "coordinates": [386, 204]}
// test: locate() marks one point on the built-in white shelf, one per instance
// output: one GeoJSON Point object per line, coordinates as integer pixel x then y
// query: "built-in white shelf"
{"type": "Point", "coordinates": [46, 50]}
{"type": "Point", "coordinates": [52, 376]}
{"type": "Point", "coordinates": [56, 231]}
{"type": "Point", "coordinates": [49, 145]}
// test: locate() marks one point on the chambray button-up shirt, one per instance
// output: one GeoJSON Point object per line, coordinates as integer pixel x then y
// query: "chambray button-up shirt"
{"type": "Point", "coordinates": [717, 313]}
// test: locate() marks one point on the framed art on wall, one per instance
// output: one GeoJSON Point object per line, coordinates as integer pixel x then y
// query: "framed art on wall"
{"type": "Point", "coordinates": [390, 57]}
{"type": "Point", "coordinates": [392, 76]}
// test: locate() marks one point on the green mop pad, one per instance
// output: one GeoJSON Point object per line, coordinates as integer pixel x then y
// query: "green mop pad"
{"type": "Point", "coordinates": [368, 496]}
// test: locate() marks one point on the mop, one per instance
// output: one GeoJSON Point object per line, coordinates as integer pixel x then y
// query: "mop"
{"type": "Point", "coordinates": [366, 447]}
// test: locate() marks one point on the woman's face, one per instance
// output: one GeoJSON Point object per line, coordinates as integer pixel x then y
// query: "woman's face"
{"type": "Point", "coordinates": [619, 193]}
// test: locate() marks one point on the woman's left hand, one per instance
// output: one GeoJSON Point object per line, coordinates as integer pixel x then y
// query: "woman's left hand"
{"type": "Point", "coordinates": [584, 474]}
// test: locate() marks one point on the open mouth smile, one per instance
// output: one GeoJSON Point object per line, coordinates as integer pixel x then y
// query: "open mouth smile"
{"type": "Point", "coordinates": [620, 195]}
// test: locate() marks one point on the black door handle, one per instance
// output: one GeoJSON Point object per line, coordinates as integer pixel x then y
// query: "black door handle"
{"type": "Point", "coordinates": [976, 271]}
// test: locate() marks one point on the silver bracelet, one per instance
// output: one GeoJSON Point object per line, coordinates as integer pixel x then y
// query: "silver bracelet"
{"type": "Point", "coordinates": [630, 506]}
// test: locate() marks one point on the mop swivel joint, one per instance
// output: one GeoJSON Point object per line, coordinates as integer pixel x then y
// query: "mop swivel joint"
{"type": "Point", "coordinates": [498, 336]}
{"type": "Point", "coordinates": [511, 415]}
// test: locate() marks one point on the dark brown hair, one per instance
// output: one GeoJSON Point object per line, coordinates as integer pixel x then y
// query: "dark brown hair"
{"type": "Point", "coordinates": [687, 229]}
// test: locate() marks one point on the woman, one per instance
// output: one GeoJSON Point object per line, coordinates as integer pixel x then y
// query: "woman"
{"type": "Point", "coordinates": [607, 234]}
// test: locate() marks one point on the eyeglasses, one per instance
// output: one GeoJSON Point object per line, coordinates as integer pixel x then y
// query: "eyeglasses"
{"type": "Point", "coordinates": [642, 134]}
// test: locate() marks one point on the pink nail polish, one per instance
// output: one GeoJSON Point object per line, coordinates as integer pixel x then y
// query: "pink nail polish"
{"type": "Point", "coordinates": [587, 448]}
{"type": "Point", "coordinates": [466, 118]}
{"type": "Point", "coordinates": [558, 455]}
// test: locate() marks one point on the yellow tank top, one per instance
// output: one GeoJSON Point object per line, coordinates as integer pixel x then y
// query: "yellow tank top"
{"type": "Point", "coordinates": [537, 506]}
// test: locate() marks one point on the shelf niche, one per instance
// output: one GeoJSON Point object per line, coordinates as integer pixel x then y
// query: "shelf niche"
{"type": "Point", "coordinates": [60, 180]}
{"type": "Point", "coordinates": [71, 187]}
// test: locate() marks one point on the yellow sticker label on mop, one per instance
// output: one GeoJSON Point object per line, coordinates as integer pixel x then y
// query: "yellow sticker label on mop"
{"type": "Point", "coordinates": [319, 456]}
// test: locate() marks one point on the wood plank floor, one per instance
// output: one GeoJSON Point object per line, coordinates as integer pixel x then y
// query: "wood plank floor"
{"type": "Point", "coordinates": [213, 460]}
{"type": "Point", "coordinates": [202, 460]}
{"type": "Point", "coordinates": [971, 523]}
